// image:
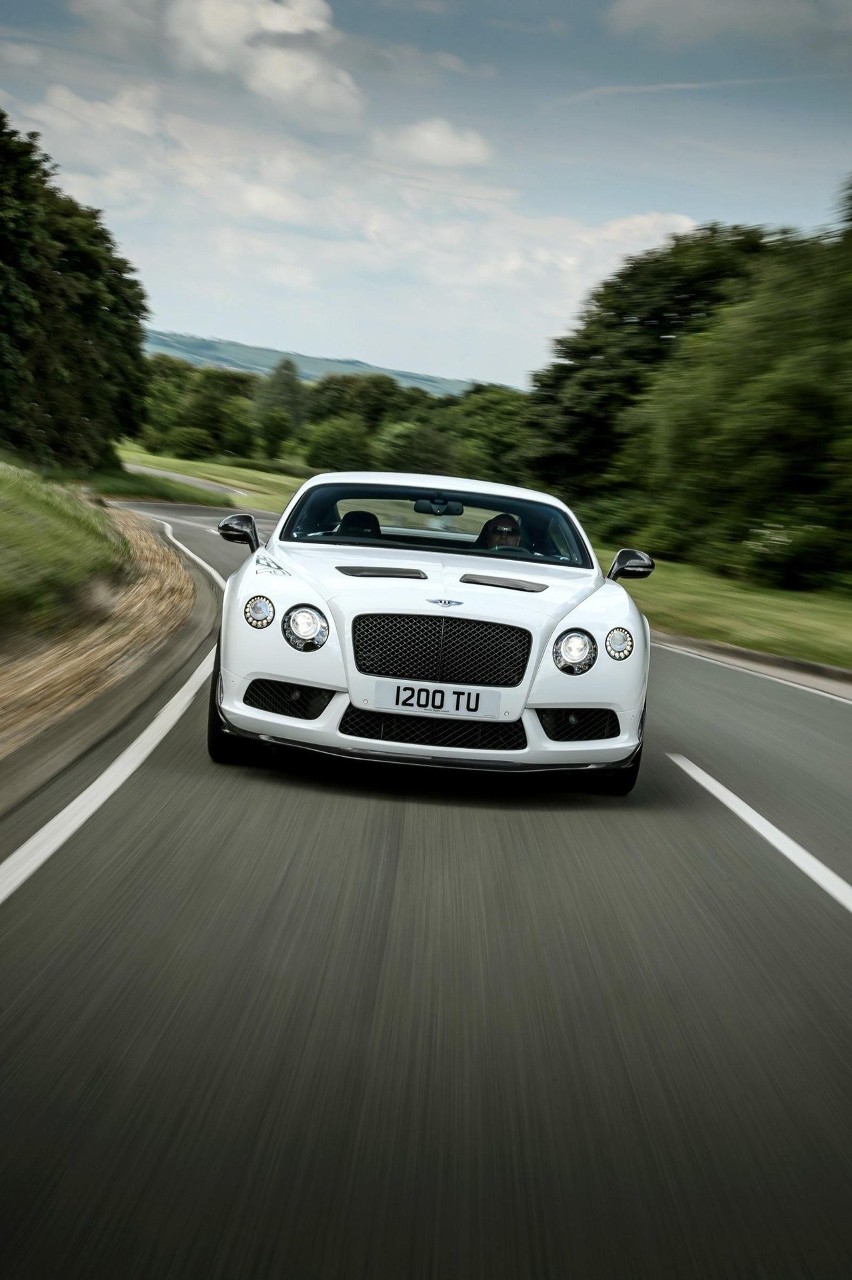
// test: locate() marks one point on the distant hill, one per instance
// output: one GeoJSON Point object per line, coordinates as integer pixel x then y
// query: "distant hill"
{"type": "Point", "coordinates": [236, 355]}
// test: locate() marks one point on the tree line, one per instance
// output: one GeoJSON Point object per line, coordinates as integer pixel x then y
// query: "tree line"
{"type": "Point", "coordinates": [701, 406]}
{"type": "Point", "coordinates": [72, 371]}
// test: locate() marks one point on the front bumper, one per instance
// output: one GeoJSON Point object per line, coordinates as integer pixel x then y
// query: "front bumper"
{"type": "Point", "coordinates": [323, 734]}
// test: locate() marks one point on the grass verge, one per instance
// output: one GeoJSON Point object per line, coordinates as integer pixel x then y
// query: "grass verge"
{"type": "Point", "coordinates": [689, 601]}
{"type": "Point", "coordinates": [128, 484]}
{"type": "Point", "coordinates": [261, 489]}
{"type": "Point", "coordinates": [53, 544]}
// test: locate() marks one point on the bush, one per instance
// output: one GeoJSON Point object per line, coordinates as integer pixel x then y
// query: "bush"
{"type": "Point", "coordinates": [190, 442]}
{"type": "Point", "coordinates": [412, 446]}
{"type": "Point", "coordinates": [155, 440]}
{"type": "Point", "coordinates": [338, 444]}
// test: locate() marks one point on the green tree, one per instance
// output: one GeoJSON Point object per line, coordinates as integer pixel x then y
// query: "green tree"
{"type": "Point", "coordinates": [282, 391]}
{"type": "Point", "coordinates": [238, 430]}
{"type": "Point", "coordinates": [328, 398]}
{"type": "Point", "coordinates": [207, 406]}
{"type": "Point", "coordinates": [338, 444]}
{"type": "Point", "coordinates": [629, 327]}
{"type": "Point", "coordinates": [488, 427]}
{"type": "Point", "coordinates": [413, 446]}
{"type": "Point", "coordinates": [168, 384]}
{"type": "Point", "coordinates": [275, 427]}
{"type": "Point", "coordinates": [746, 431]}
{"type": "Point", "coordinates": [191, 442]}
{"type": "Point", "coordinates": [72, 372]}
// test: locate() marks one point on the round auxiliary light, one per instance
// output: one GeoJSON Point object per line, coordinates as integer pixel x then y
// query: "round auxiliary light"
{"type": "Point", "coordinates": [259, 612]}
{"type": "Point", "coordinates": [619, 644]}
{"type": "Point", "coordinates": [305, 628]}
{"type": "Point", "coordinates": [575, 652]}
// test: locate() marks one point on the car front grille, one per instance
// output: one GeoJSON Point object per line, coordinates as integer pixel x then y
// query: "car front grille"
{"type": "Point", "coordinates": [581, 724]}
{"type": "Point", "coordinates": [302, 701]}
{"type": "Point", "coordinates": [437, 731]}
{"type": "Point", "coordinates": [462, 651]}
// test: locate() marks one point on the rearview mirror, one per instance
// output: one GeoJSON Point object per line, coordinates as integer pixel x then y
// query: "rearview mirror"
{"type": "Point", "coordinates": [438, 506]}
{"type": "Point", "coordinates": [241, 528]}
{"type": "Point", "coordinates": [631, 564]}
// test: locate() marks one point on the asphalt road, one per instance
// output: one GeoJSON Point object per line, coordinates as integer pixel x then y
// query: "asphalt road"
{"type": "Point", "coordinates": [313, 1020]}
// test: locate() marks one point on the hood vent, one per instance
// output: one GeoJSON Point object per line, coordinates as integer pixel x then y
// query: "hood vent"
{"type": "Point", "coordinates": [379, 571]}
{"type": "Point", "coordinates": [511, 584]}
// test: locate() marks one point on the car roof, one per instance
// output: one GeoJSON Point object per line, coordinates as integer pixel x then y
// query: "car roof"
{"type": "Point", "coordinates": [419, 480]}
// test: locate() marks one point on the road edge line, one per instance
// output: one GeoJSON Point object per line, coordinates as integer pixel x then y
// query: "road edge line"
{"type": "Point", "coordinates": [828, 880]}
{"type": "Point", "coordinates": [33, 853]}
{"type": "Point", "coordinates": [732, 664]}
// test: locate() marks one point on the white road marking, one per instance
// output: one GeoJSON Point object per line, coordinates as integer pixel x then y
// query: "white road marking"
{"type": "Point", "coordinates": [35, 852]}
{"type": "Point", "coordinates": [832, 883]}
{"type": "Point", "coordinates": [761, 675]}
{"type": "Point", "coordinates": [31, 855]}
{"type": "Point", "coordinates": [220, 582]}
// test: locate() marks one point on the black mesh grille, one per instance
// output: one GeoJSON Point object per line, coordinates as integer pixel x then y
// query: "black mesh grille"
{"type": "Point", "coordinates": [445, 650]}
{"type": "Point", "coordinates": [428, 731]}
{"type": "Point", "coordinates": [581, 724]}
{"type": "Point", "coordinates": [299, 700]}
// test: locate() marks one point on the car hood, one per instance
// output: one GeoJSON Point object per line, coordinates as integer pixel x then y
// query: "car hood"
{"type": "Point", "coordinates": [352, 580]}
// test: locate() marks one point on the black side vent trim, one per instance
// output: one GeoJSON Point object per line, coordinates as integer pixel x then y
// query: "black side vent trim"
{"type": "Point", "coordinates": [301, 701]}
{"type": "Point", "coordinates": [512, 584]}
{"type": "Point", "coordinates": [377, 571]}
{"type": "Point", "coordinates": [579, 724]}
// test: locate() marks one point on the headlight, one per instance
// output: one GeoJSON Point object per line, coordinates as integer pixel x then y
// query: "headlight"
{"type": "Point", "coordinates": [259, 612]}
{"type": "Point", "coordinates": [305, 628]}
{"type": "Point", "coordinates": [575, 652]}
{"type": "Point", "coordinates": [619, 644]}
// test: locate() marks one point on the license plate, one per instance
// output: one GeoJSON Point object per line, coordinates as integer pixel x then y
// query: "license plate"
{"type": "Point", "coordinates": [437, 700]}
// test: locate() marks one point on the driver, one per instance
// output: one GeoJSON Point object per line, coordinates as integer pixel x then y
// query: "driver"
{"type": "Point", "coordinates": [500, 531]}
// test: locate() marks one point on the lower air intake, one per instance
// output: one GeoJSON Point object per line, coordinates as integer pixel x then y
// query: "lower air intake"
{"type": "Point", "coordinates": [301, 701]}
{"type": "Point", "coordinates": [581, 724]}
{"type": "Point", "coordinates": [428, 731]}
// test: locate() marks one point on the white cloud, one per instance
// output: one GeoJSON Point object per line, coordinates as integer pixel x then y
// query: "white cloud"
{"type": "Point", "coordinates": [663, 87]}
{"type": "Point", "coordinates": [217, 34]}
{"type": "Point", "coordinates": [435, 143]}
{"type": "Point", "coordinates": [307, 82]}
{"type": "Point", "coordinates": [19, 54]}
{"type": "Point", "coordinates": [133, 109]}
{"type": "Point", "coordinates": [255, 234]}
{"type": "Point", "coordinates": [281, 50]}
{"type": "Point", "coordinates": [775, 21]}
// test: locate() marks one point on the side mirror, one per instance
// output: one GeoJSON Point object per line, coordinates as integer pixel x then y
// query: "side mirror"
{"type": "Point", "coordinates": [240, 528]}
{"type": "Point", "coordinates": [631, 564]}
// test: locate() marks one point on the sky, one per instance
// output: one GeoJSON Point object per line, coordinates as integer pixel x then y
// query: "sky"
{"type": "Point", "coordinates": [432, 185]}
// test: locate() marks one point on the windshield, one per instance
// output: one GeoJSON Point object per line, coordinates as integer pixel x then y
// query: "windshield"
{"type": "Point", "coordinates": [426, 520]}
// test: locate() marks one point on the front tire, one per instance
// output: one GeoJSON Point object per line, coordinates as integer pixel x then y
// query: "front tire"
{"type": "Point", "coordinates": [222, 747]}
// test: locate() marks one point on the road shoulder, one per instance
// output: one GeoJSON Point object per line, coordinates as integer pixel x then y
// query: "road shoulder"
{"type": "Point", "coordinates": [836, 681]}
{"type": "Point", "coordinates": [46, 754]}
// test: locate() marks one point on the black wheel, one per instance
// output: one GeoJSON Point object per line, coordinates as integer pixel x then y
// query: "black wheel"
{"type": "Point", "coordinates": [620, 782]}
{"type": "Point", "coordinates": [222, 747]}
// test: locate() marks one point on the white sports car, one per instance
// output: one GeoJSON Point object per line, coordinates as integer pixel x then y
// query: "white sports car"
{"type": "Point", "coordinates": [432, 620]}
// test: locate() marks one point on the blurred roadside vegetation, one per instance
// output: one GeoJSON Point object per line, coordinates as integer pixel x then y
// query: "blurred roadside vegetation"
{"type": "Point", "coordinates": [700, 408]}
{"type": "Point", "coordinates": [54, 542]}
